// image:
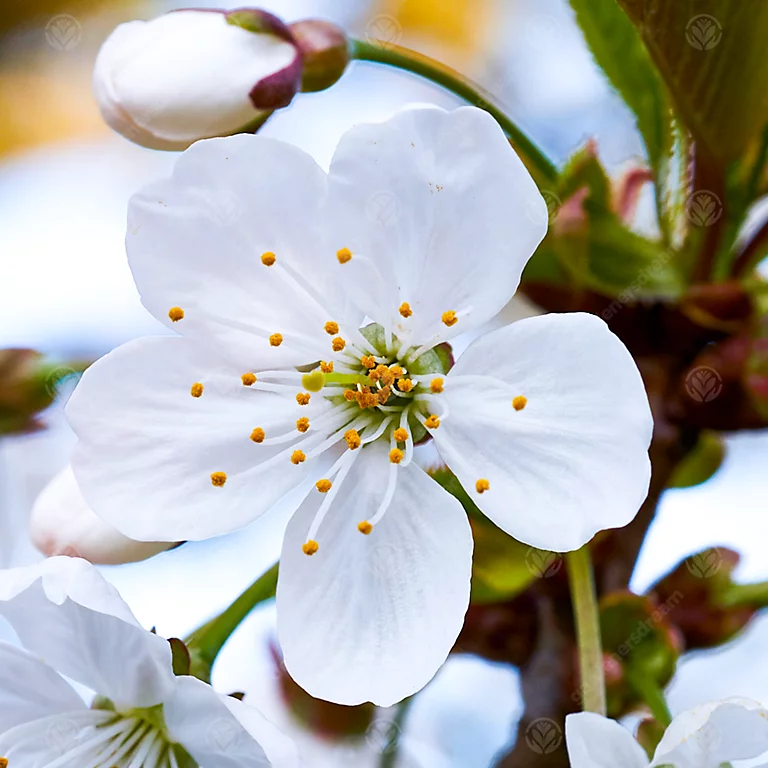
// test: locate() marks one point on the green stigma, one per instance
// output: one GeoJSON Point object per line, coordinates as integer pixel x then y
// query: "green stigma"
{"type": "Point", "coordinates": [314, 381]}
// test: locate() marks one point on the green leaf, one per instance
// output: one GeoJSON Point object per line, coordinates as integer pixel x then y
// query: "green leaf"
{"type": "Point", "coordinates": [621, 54]}
{"type": "Point", "coordinates": [711, 54]}
{"type": "Point", "coordinates": [701, 463]}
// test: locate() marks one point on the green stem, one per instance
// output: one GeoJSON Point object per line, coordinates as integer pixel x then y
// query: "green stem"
{"type": "Point", "coordinates": [403, 58]}
{"type": "Point", "coordinates": [389, 754]}
{"type": "Point", "coordinates": [752, 595]}
{"type": "Point", "coordinates": [206, 642]}
{"type": "Point", "coordinates": [650, 693]}
{"type": "Point", "coordinates": [585, 612]}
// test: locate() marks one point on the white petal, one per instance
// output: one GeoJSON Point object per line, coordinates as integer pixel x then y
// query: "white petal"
{"type": "Point", "coordinates": [200, 720]}
{"type": "Point", "coordinates": [195, 241]}
{"type": "Point", "coordinates": [445, 211]}
{"type": "Point", "coordinates": [372, 618]}
{"type": "Point", "coordinates": [148, 448]}
{"type": "Point", "coordinates": [63, 524]}
{"type": "Point", "coordinates": [715, 733]}
{"type": "Point", "coordinates": [30, 689]}
{"type": "Point", "coordinates": [43, 741]}
{"type": "Point", "coordinates": [574, 460]}
{"type": "Point", "coordinates": [596, 742]}
{"type": "Point", "coordinates": [184, 76]}
{"type": "Point", "coordinates": [64, 611]}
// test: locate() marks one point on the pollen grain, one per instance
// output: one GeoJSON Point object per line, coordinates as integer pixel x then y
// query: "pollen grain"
{"type": "Point", "coordinates": [268, 259]}
{"type": "Point", "coordinates": [519, 402]}
{"type": "Point", "coordinates": [353, 439]}
{"type": "Point", "coordinates": [276, 339]}
{"type": "Point", "coordinates": [197, 389]}
{"type": "Point", "coordinates": [258, 435]}
{"type": "Point", "coordinates": [405, 309]}
{"type": "Point", "coordinates": [302, 398]}
{"type": "Point", "coordinates": [218, 479]}
{"type": "Point", "coordinates": [344, 255]}
{"type": "Point", "coordinates": [248, 379]}
{"type": "Point", "coordinates": [433, 422]}
{"type": "Point", "coordinates": [449, 318]}
{"type": "Point", "coordinates": [331, 328]}
{"type": "Point", "coordinates": [302, 424]}
{"type": "Point", "coordinates": [176, 314]}
{"type": "Point", "coordinates": [298, 456]}
{"type": "Point", "coordinates": [365, 527]}
{"type": "Point", "coordinates": [482, 485]}
{"type": "Point", "coordinates": [310, 547]}
{"type": "Point", "coordinates": [324, 485]}
{"type": "Point", "coordinates": [396, 455]}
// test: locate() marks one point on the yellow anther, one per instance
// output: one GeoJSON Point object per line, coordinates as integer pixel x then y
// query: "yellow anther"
{"type": "Point", "coordinates": [298, 456]}
{"type": "Point", "coordinates": [338, 344]}
{"type": "Point", "coordinates": [353, 439]}
{"type": "Point", "coordinates": [248, 379]}
{"type": "Point", "coordinates": [482, 485]}
{"type": "Point", "coordinates": [432, 422]}
{"type": "Point", "coordinates": [197, 389]}
{"type": "Point", "coordinates": [302, 424]}
{"type": "Point", "coordinates": [324, 485]}
{"type": "Point", "coordinates": [326, 367]}
{"type": "Point", "coordinates": [436, 385]}
{"type": "Point", "coordinates": [268, 259]}
{"type": "Point", "coordinates": [405, 309]}
{"type": "Point", "coordinates": [258, 435]}
{"type": "Point", "coordinates": [350, 394]}
{"type": "Point", "coordinates": [405, 385]}
{"type": "Point", "coordinates": [396, 455]}
{"type": "Point", "coordinates": [383, 395]}
{"type": "Point", "coordinates": [368, 361]}
{"type": "Point", "coordinates": [400, 434]}
{"type": "Point", "coordinates": [343, 255]}
{"type": "Point", "coordinates": [3, 762]}
{"type": "Point", "coordinates": [383, 374]}
{"type": "Point", "coordinates": [302, 398]}
{"type": "Point", "coordinates": [396, 371]}
{"type": "Point", "coordinates": [176, 314]}
{"type": "Point", "coordinates": [219, 478]}
{"type": "Point", "coordinates": [331, 328]}
{"type": "Point", "coordinates": [276, 339]}
{"type": "Point", "coordinates": [519, 403]}
{"type": "Point", "coordinates": [449, 318]}
{"type": "Point", "coordinates": [313, 381]}
{"type": "Point", "coordinates": [366, 398]}
{"type": "Point", "coordinates": [310, 547]}
{"type": "Point", "coordinates": [365, 527]}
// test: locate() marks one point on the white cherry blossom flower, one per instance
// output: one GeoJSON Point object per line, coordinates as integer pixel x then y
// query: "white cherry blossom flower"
{"type": "Point", "coordinates": [311, 362]}
{"type": "Point", "coordinates": [704, 737]}
{"type": "Point", "coordinates": [72, 623]}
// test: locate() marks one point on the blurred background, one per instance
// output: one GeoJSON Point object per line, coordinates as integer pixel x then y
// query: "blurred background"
{"type": "Point", "coordinates": [66, 290]}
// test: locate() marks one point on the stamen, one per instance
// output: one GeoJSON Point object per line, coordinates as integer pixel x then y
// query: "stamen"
{"type": "Point", "coordinates": [197, 389]}
{"type": "Point", "coordinates": [397, 371]}
{"type": "Point", "coordinates": [366, 399]}
{"type": "Point", "coordinates": [176, 314]}
{"type": "Point", "coordinates": [3, 762]}
{"type": "Point", "coordinates": [400, 435]}
{"type": "Point", "coordinates": [519, 402]}
{"type": "Point", "coordinates": [388, 496]}
{"type": "Point", "coordinates": [405, 309]}
{"type": "Point", "coordinates": [436, 385]}
{"type": "Point", "coordinates": [350, 424]}
{"type": "Point", "coordinates": [482, 485]}
{"type": "Point", "coordinates": [248, 379]}
{"type": "Point", "coordinates": [338, 344]}
{"type": "Point", "coordinates": [268, 259]}
{"type": "Point", "coordinates": [258, 435]}
{"type": "Point", "coordinates": [433, 422]}
{"type": "Point", "coordinates": [449, 318]}
{"type": "Point", "coordinates": [326, 367]}
{"type": "Point", "coordinates": [396, 456]}
{"type": "Point", "coordinates": [276, 339]}
{"type": "Point", "coordinates": [350, 394]}
{"type": "Point", "coordinates": [369, 361]}
{"type": "Point", "coordinates": [365, 528]}
{"type": "Point", "coordinates": [331, 328]}
{"type": "Point", "coordinates": [298, 456]}
{"type": "Point", "coordinates": [302, 398]}
{"type": "Point", "coordinates": [218, 479]}
{"type": "Point", "coordinates": [405, 385]}
{"type": "Point", "coordinates": [302, 424]}
{"type": "Point", "coordinates": [383, 395]}
{"type": "Point", "coordinates": [310, 547]}
{"type": "Point", "coordinates": [352, 437]}
{"type": "Point", "coordinates": [343, 255]}
{"type": "Point", "coordinates": [324, 485]}
{"type": "Point", "coordinates": [380, 430]}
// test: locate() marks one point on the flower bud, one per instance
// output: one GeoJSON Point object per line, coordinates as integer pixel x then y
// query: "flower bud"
{"type": "Point", "coordinates": [25, 389]}
{"type": "Point", "coordinates": [62, 523]}
{"type": "Point", "coordinates": [194, 74]}
{"type": "Point", "coordinates": [325, 50]}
